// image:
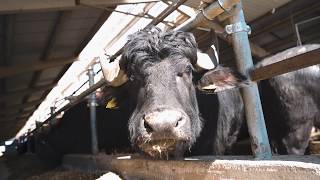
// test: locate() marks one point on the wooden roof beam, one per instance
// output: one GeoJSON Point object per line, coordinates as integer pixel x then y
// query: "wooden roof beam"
{"type": "Point", "coordinates": [21, 106]}
{"type": "Point", "coordinates": [9, 95]}
{"type": "Point", "coordinates": [19, 69]}
{"type": "Point", "coordinates": [12, 115]}
{"type": "Point", "coordinates": [113, 2]}
{"type": "Point", "coordinates": [16, 6]}
{"type": "Point", "coordinates": [19, 6]}
{"type": "Point", "coordinates": [102, 18]}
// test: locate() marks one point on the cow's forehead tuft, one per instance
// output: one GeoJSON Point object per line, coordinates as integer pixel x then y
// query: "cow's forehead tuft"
{"type": "Point", "coordinates": [154, 45]}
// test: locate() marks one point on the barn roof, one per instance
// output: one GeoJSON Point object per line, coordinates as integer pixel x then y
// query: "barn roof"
{"type": "Point", "coordinates": [40, 39]}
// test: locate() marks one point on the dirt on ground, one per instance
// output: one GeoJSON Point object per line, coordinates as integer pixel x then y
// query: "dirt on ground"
{"type": "Point", "coordinates": [61, 175]}
{"type": "Point", "coordinates": [30, 167]}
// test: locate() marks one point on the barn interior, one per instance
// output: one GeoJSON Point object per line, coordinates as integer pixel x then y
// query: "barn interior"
{"type": "Point", "coordinates": [42, 42]}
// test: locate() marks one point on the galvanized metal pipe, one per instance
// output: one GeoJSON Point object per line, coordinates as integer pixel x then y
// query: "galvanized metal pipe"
{"type": "Point", "coordinates": [257, 129]}
{"type": "Point", "coordinates": [52, 110]}
{"type": "Point", "coordinates": [210, 12]}
{"type": "Point", "coordinates": [93, 114]}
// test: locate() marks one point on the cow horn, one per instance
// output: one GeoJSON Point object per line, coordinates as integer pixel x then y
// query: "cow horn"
{"type": "Point", "coordinates": [111, 71]}
{"type": "Point", "coordinates": [204, 62]}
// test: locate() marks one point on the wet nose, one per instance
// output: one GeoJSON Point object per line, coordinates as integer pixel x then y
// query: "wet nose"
{"type": "Point", "coordinates": [164, 121]}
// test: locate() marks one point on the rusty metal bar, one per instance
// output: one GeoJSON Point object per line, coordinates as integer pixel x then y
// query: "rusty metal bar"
{"type": "Point", "coordinates": [257, 129]}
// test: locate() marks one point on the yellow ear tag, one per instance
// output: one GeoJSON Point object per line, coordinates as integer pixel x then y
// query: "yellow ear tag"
{"type": "Point", "coordinates": [112, 104]}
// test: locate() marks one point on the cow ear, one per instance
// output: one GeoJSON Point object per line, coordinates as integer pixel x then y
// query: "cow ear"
{"type": "Point", "coordinates": [220, 79]}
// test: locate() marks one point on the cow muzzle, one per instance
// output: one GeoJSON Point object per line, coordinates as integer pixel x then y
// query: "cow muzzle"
{"type": "Point", "coordinates": [166, 132]}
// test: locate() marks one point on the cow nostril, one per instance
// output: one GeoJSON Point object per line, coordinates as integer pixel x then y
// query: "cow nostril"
{"type": "Point", "coordinates": [147, 127]}
{"type": "Point", "coordinates": [179, 120]}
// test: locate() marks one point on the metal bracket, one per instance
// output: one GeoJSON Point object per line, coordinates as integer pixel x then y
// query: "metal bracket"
{"type": "Point", "coordinates": [220, 2]}
{"type": "Point", "coordinates": [222, 7]}
{"type": "Point", "coordinates": [237, 27]}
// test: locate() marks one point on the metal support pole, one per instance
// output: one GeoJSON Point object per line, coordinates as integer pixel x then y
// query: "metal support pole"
{"type": "Point", "coordinates": [93, 115]}
{"type": "Point", "coordinates": [257, 129]}
{"type": "Point", "coordinates": [53, 120]}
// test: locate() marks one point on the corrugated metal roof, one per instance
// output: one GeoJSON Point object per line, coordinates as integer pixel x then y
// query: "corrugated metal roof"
{"type": "Point", "coordinates": [39, 37]}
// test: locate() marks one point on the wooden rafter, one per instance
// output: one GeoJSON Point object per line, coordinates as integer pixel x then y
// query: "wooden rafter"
{"type": "Point", "coordinates": [18, 6]}
{"type": "Point", "coordinates": [59, 23]}
{"type": "Point", "coordinates": [51, 41]}
{"type": "Point", "coordinates": [21, 106]}
{"type": "Point", "coordinates": [19, 69]}
{"type": "Point", "coordinates": [8, 37]}
{"type": "Point", "coordinates": [128, 26]}
{"type": "Point", "coordinates": [102, 18]}
{"type": "Point", "coordinates": [11, 114]}
{"type": "Point", "coordinates": [269, 21]}
{"type": "Point", "coordinates": [15, 94]}
{"type": "Point", "coordinates": [113, 2]}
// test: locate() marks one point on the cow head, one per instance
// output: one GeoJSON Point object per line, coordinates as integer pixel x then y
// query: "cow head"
{"type": "Point", "coordinates": [158, 68]}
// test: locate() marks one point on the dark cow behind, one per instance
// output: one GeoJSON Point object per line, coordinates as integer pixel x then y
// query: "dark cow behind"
{"type": "Point", "coordinates": [72, 134]}
{"type": "Point", "coordinates": [291, 106]}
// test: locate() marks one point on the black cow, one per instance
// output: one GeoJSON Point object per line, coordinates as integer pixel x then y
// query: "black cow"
{"type": "Point", "coordinates": [166, 116]}
{"type": "Point", "coordinates": [72, 133]}
{"type": "Point", "coordinates": [291, 105]}
{"type": "Point", "coordinates": [165, 119]}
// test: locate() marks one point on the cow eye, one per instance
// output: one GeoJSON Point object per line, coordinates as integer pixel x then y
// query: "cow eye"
{"type": "Point", "coordinates": [180, 74]}
{"type": "Point", "coordinates": [188, 69]}
{"type": "Point", "coordinates": [132, 78]}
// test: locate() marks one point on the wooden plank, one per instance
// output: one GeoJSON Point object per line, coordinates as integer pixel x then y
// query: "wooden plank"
{"type": "Point", "coordinates": [291, 64]}
{"type": "Point", "coordinates": [128, 26]}
{"type": "Point", "coordinates": [15, 94]}
{"type": "Point", "coordinates": [102, 18]}
{"type": "Point", "coordinates": [11, 115]}
{"type": "Point", "coordinates": [19, 69]}
{"type": "Point", "coordinates": [113, 2]}
{"type": "Point", "coordinates": [17, 6]}
{"type": "Point", "coordinates": [9, 21]}
{"type": "Point", "coordinates": [263, 23]}
{"type": "Point", "coordinates": [23, 105]}
{"type": "Point", "coordinates": [59, 23]}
